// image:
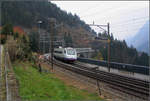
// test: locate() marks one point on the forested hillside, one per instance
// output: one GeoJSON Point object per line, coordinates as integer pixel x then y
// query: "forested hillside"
{"type": "Point", "coordinates": [28, 13]}
{"type": "Point", "coordinates": [119, 52]}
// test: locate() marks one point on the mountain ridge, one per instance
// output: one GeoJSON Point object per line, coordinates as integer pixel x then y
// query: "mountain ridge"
{"type": "Point", "coordinates": [141, 39]}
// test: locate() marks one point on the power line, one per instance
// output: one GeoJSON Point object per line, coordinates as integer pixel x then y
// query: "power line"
{"type": "Point", "coordinates": [126, 26]}
{"type": "Point", "coordinates": [131, 24]}
{"type": "Point", "coordinates": [106, 11]}
{"type": "Point", "coordinates": [89, 8]}
{"type": "Point", "coordinates": [126, 30]}
{"type": "Point", "coordinates": [132, 20]}
{"type": "Point", "coordinates": [124, 13]}
{"type": "Point", "coordinates": [92, 14]}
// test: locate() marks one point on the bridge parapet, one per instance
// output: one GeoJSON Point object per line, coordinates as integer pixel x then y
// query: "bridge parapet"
{"type": "Point", "coordinates": [84, 50]}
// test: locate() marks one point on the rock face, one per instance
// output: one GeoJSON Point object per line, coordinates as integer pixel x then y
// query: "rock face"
{"type": "Point", "coordinates": [141, 40]}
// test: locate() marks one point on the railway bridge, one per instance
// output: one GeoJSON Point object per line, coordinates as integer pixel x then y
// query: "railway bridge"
{"type": "Point", "coordinates": [84, 52]}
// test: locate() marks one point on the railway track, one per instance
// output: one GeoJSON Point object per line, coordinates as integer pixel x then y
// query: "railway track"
{"type": "Point", "coordinates": [131, 81]}
{"type": "Point", "coordinates": [121, 81]}
{"type": "Point", "coordinates": [131, 86]}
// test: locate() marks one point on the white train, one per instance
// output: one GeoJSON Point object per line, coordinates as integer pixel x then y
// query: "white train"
{"type": "Point", "coordinates": [66, 54]}
{"type": "Point", "coordinates": [46, 56]}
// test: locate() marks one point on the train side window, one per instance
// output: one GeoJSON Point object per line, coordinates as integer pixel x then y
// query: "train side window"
{"type": "Point", "coordinates": [65, 51]}
{"type": "Point", "coordinates": [60, 52]}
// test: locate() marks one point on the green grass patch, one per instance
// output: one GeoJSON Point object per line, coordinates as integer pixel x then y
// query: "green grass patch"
{"type": "Point", "coordinates": [45, 86]}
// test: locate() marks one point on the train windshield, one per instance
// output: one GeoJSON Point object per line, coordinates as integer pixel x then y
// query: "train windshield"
{"type": "Point", "coordinates": [70, 51]}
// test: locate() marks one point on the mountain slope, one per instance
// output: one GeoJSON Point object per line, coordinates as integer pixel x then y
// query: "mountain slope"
{"type": "Point", "coordinates": [141, 40]}
{"type": "Point", "coordinates": [28, 13]}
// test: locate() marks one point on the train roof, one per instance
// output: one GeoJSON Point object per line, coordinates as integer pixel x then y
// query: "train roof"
{"type": "Point", "coordinates": [64, 48]}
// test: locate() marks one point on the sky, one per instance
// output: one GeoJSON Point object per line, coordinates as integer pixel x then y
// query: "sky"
{"type": "Point", "coordinates": [125, 17]}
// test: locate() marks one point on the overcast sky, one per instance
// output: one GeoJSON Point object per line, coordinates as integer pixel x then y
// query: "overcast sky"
{"type": "Point", "coordinates": [125, 17]}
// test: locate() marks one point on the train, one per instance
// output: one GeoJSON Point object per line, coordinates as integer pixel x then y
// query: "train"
{"type": "Point", "coordinates": [47, 56]}
{"type": "Point", "coordinates": [67, 54]}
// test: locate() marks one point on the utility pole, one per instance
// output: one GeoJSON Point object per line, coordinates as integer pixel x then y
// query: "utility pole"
{"type": "Point", "coordinates": [0, 18]}
{"type": "Point", "coordinates": [39, 22]}
{"type": "Point", "coordinates": [43, 41]}
{"type": "Point", "coordinates": [108, 40]}
{"type": "Point", "coordinates": [108, 47]}
{"type": "Point", "coordinates": [58, 39]}
{"type": "Point", "coordinates": [52, 22]}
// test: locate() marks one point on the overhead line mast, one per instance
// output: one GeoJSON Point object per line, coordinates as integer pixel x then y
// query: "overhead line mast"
{"type": "Point", "coordinates": [108, 39]}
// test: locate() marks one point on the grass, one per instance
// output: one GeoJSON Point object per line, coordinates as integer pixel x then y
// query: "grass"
{"type": "Point", "coordinates": [45, 86]}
